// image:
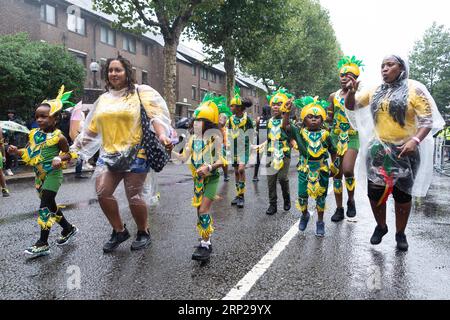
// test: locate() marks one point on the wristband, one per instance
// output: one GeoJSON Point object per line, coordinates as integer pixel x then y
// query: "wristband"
{"type": "Point", "coordinates": [417, 140]}
{"type": "Point", "coordinates": [209, 167]}
{"type": "Point", "coordinates": [57, 158]}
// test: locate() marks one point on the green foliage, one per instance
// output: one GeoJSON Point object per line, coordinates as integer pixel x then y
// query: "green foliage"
{"type": "Point", "coordinates": [33, 71]}
{"type": "Point", "coordinates": [430, 64]}
{"type": "Point", "coordinates": [304, 57]}
{"type": "Point", "coordinates": [238, 30]}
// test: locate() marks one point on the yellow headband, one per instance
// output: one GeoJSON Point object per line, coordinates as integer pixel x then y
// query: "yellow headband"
{"type": "Point", "coordinates": [56, 104]}
{"type": "Point", "coordinates": [279, 97]}
{"type": "Point", "coordinates": [350, 68]}
{"type": "Point", "coordinates": [207, 110]}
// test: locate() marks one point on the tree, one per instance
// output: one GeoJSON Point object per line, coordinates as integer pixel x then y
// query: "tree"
{"type": "Point", "coordinates": [238, 30]}
{"type": "Point", "coordinates": [170, 17]}
{"type": "Point", "coordinates": [430, 63]}
{"type": "Point", "coordinates": [33, 71]}
{"type": "Point", "coordinates": [304, 57]}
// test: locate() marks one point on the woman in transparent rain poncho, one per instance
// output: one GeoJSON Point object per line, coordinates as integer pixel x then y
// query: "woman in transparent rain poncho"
{"type": "Point", "coordinates": [114, 126]}
{"type": "Point", "coordinates": [399, 144]}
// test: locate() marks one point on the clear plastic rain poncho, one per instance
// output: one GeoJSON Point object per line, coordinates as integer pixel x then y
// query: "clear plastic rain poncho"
{"type": "Point", "coordinates": [388, 117]}
{"type": "Point", "coordinates": [113, 126]}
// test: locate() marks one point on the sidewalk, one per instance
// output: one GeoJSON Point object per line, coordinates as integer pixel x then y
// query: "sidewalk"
{"type": "Point", "coordinates": [28, 174]}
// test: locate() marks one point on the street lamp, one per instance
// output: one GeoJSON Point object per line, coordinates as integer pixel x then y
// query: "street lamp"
{"type": "Point", "coordinates": [94, 67]}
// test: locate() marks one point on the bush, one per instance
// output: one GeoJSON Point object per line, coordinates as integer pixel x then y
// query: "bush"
{"type": "Point", "coordinates": [31, 71]}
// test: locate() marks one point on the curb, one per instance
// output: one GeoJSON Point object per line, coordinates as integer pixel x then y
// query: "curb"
{"type": "Point", "coordinates": [29, 176]}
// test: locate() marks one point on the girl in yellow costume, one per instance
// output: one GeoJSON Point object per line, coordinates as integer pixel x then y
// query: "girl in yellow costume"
{"type": "Point", "coordinates": [345, 138]}
{"type": "Point", "coordinates": [47, 151]}
{"type": "Point", "coordinates": [204, 155]}
{"type": "Point", "coordinates": [314, 144]}
{"type": "Point", "coordinates": [240, 127]}
{"type": "Point", "coordinates": [399, 156]}
{"type": "Point", "coordinates": [278, 150]}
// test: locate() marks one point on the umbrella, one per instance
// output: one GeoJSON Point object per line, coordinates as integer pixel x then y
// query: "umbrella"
{"type": "Point", "coordinates": [13, 126]}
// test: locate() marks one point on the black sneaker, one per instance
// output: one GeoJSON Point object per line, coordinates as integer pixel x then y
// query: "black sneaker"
{"type": "Point", "coordinates": [235, 201]}
{"type": "Point", "coordinates": [202, 253]}
{"type": "Point", "coordinates": [240, 203]}
{"type": "Point", "coordinates": [272, 209]}
{"type": "Point", "coordinates": [338, 215]}
{"type": "Point", "coordinates": [67, 238]}
{"type": "Point", "coordinates": [80, 176]}
{"type": "Point", "coordinates": [378, 234]}
{"type": "Point", "coordinates": [255, 179]}
{"type": "Point", "coordinates": [402, 244]}
{"type": "Point", "coordinates": [5, 192]}
{"type": "Point", "coordinates": [287, 204]}
{"type": "Point", "coordinates": [38, 250]}
{"type": "Point", "coordinates": [351, 209]}
{"type": "Point", "coordinates": [116, 239]}
{"type": "Point", "coordinates": [226, 178]}
{"type": "Point", "coordinates": [142, 241]}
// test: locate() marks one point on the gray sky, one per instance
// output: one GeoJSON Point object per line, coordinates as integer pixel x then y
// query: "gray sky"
{"type": "Point", "coordinates": [372, 29]}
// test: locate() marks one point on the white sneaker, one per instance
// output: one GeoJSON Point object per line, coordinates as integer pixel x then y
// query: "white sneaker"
{"type": "Point", "coordinates": [87, 166]}
{"type": "Point", "coordinates": [8, 172]}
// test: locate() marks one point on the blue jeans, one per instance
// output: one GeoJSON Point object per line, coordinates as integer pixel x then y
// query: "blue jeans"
{"type": "Point", "coordinates": [79, 167]}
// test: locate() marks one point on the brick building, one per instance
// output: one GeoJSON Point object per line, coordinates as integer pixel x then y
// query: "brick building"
{"type": "Point", "coordinates": [88, 35]}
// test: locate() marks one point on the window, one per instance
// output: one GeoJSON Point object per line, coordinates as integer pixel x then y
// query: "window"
{"type": "Point", "coordinates": [134, 72]}
{"type": "Point", "coordinates": [221, 79]}
{"type": "Point", "coordinates": [129, 44]}
{"type": "Point", "coordinates": [204, 73]}
{"type": "Point", "coordinates": [108, 36]}
{"type": "Point", "coordinates": [194, 93]}
{"type": "Point", "coordinates": [76, 24]}
{"type": "Point", "coordinates": [145, 49]}
{"type": "Point", "coordinates": [79, 57]}
{"type": "Point", "coordinates": [254, 92]}
{"type": "Point", "coordinates": [144, 77]}
{"type": "Point", "coordinates": [48, 14]}
{"type": "Point", "coordinates": [213, 77]}
{"type": "Point", "coordinates": [202, 94]}
{"type": "Point", "coordinates": [194, 70]}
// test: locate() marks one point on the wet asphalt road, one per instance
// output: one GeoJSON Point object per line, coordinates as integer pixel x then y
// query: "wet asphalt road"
{"type": "Point", "coordinates": [343, 265]}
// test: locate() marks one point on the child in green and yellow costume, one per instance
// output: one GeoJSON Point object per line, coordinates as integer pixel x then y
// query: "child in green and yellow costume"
{"type": "Point", "coordinates": [345, 138]}
{"type": "Point", "coordinates": [240, 129]}
{"type": "Point", "coordinates": [315, 145]}
{"type": "Point", "coordinates": [278, 151]}
{"type": "Point", "coordinates": [203, 152]}
{"type": "Point", "coordinates": [47, 152]}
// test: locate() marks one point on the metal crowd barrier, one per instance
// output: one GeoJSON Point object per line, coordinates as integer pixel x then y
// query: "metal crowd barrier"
{"type": "Point", "coordinates": [442, 157]}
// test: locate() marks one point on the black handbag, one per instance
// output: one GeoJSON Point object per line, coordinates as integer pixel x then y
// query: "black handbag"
{"type": "Point", "coordinates": [157, 156]}
{"type": "Point", "coordinates": [120, 161]}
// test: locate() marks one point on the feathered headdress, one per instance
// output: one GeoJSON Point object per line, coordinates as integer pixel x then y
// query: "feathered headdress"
{"type": "Point", "coordinates": [310, 105]}
{"type": "Point", "coordinates": [57, 104]}
{"type": "Point", "coordinates": [281, 95]}
{"type": "Point", "coordinates": [211, 107]}
{"type": "Point", "coordinates": [350, 64]}
{"type": "Point", "coordinates": [236, 100]}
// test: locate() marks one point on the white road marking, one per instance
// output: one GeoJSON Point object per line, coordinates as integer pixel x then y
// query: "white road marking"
{"type": "Point", "coordinates": [247, 282]}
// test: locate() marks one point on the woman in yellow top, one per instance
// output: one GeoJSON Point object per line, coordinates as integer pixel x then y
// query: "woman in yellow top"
{"type": "Point", "coordinates": [114, 125]}
{"type": "Point", "coordinates": [403, 113]}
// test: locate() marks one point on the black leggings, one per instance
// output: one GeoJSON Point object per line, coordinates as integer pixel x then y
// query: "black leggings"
{"type": "Point", "coordinates": [48, 200]}
{"type": "Point", "coordinates": [375, 192]}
